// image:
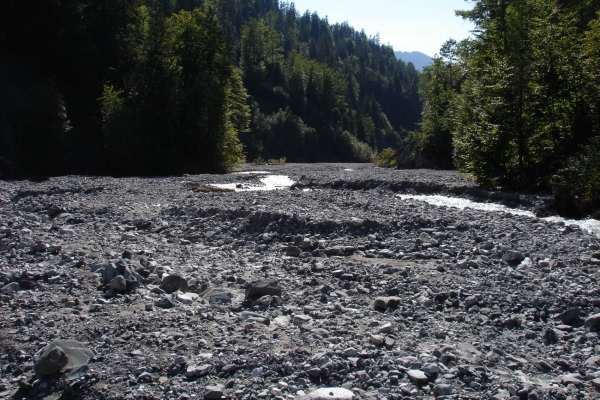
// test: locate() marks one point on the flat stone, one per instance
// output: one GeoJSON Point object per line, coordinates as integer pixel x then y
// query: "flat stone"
{"type": "Point", "coordinates": [263, 288]}
{"type": "Point", "coordinates": [11, 288]}
{"type": "Point", "coordinates": [70, 354]}
{"type": "Point", "coordinates": [417, 376]}
{"type": "Point", "coordinates": [128, 236]}
{"type": "Point", "coordinates": [220, 298]}
{"type": "Point", "coordinates": [194, 371]}
{"type": "Point", "coordinates": [301, 319]}
{"type": "Point", "coordinates": [182, 298]}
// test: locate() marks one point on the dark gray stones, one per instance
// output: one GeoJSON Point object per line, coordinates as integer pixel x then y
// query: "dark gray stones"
{"type": "Point", "coordinates": [164, 303]}
{"type": "Point", "coordinates": [415, 288]}
{"type": "Point", "coordinates": [383, 303]}
{"type": "Point", "coordinates": [173, 283]}
{"type": "Point", "coordinates": [512, 256]}
{"type": "Point", "coordinates": [293, 251]}
{"type": "Point", "coordinates": [442, 389]}
{"type": "Point", "coordinates": [10, 288]}
{"type": "Point", "coordinates": [118, 284]}
{"type": "Point", "coordinates": [52, 361]}
{"type": "Point", "coordinates": [570, 316]}
{"type": "Point", "coordinates": [550, 336]}
{"type": "Point", "coordinates": [60, 355]}
{"type": "Point", "coordinates": [109, 272]}
{"type": "Point", "coordinates": [261, 288]}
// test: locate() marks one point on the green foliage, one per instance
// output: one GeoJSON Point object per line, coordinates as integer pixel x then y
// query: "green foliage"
{"type": "Point", "coordinates": [259, 161]}
{"type": "Point", "coordinates": [277, 161]}
{"type": "Point", "coordinates": [528, 100]}
{"type": "Point", "coordinates": [582, 172]}
{"type": "Point", "coordinates": [387, 158]}
{"type": "Point", "coordinates": [153, 87]}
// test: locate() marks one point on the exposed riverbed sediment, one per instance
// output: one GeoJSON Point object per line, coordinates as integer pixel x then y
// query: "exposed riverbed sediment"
{"type": "Point", "coordinates": [150, 289]}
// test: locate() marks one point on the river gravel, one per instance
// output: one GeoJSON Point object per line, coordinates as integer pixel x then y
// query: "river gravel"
{"type": "Point", "coordinates": [341, 279]}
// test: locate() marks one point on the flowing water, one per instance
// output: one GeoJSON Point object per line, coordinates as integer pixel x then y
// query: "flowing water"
{"type": "Point", "coordinates": [275, 182]}
{"type": "Point", "coordinates": [590, 225]}
{"type": "Point", "coordinates": [269, 182]}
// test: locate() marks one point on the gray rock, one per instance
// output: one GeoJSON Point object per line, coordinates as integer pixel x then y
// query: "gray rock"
{"type": "Point", "coordinates": [383, 303]}
{"type": "Point", "coordinates": [255, 317]}
{"type": "Point", "coordinates": [442, 389]}
{"type": "Point", "coordinates": [220, 298]}
{"type": "Point", "coordinates": [301, 319]}
{"type": "Point", "coordinates": [593, 320]}
{"type": "Point", "coordinates": [512, 256]}
{"type": "Point", "coordinates": [52, 361]}
{"type": "Point", "coordinates": [182, 298]}
{"type": "Point", "coordinates": [431, 368]}
{"type": "Point", "coordinates": [377, 340]}
{"type": "Point", "coordinates": [110, 271]}
{"type": "Point", "coordinates": [417, 376]}
{"type": "Point", "coordinates": [331, 394]}
{"type": "Point", "coordinates": [11, 288]}
{"type": "Point", "coordinates": [550, 336]}
{"type": "Point", "coordinates": [173, 283]}
{"type": "Point", "coordinates": [194, 371]}
{"type": "Point", "coordinates": [128, 236]}
{"type": "Point", "coordinates": [213, 392]}
{"type": "Point", "coordinates": [70, 354]}
{"type": "Point", "coordinates": [119, 284]}
{"type": "Point", "coordinates": [570, 316]}
{"type": "Point", "coordinates": [262, 288]}
{"type": "Point", "coordinates": [164, 303]}
{"type": "Point", "coordinates": [293, 251]}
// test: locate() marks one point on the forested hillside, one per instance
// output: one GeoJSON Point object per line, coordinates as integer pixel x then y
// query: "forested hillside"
{"type": "Point", "coordinates": [182, 86]}
{"type": "Point", "coordinates": [519, 105]}
{"type": "Point", "coordinates": [419, 60]}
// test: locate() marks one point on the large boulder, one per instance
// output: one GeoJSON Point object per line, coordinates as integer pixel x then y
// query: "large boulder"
{"type": "Point", "coordinates": [61, 355]}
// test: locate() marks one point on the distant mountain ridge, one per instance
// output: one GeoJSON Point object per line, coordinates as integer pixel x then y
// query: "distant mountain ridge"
{"type": "Point", "coordinates": [419, 59]}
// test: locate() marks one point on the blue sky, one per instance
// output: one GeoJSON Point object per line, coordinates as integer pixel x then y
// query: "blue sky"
{"type": "Point", "coordinates": [408, 25]}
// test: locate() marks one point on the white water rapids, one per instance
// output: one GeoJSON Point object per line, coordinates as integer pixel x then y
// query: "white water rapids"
{"type": "Point", "coordinates": [275, 182]}
{"type": "Point", "coordinates": [590, 225]}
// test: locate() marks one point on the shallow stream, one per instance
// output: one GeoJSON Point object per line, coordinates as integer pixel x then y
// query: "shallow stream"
{"type": "Point", "coordinates": [275, 182]}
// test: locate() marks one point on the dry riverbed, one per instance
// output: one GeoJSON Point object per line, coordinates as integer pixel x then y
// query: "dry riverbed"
{"type": "Point", "coordinates": [144, 288]}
